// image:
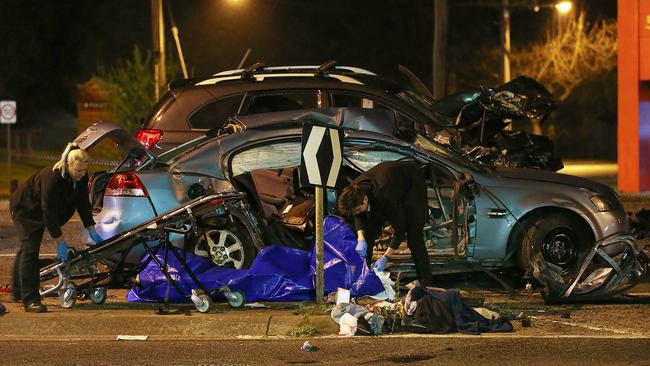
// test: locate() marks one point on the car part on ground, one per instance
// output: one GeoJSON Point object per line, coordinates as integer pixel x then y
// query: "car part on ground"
{"type": "Point", "coordinates": [639, 223]}
{"type": "Point", "coordinates": [613, 265]}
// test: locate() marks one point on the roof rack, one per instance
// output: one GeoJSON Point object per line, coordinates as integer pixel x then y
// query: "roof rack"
{"type": "Point", "coordinates": [325, 67]}
{"type": "Point", "coordinates": [250, 70]}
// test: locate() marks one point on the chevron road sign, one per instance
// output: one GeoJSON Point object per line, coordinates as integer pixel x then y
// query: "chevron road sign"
{"type": "Point", "coordinates": [321, 155]}
{"type": "Point", "coordinates": [320, 162]}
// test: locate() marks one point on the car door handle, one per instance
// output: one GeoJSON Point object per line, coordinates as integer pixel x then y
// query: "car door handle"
{"type": "Point", "coordinates": [496, 212]}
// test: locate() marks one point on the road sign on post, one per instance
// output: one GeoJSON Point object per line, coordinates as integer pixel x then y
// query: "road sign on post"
{"type": "Point", "coordinates": [9, 117]}
{"type": "Point", "coordinates": [320, 163]}
{"type": "Point", "coordinates": [8, 109]}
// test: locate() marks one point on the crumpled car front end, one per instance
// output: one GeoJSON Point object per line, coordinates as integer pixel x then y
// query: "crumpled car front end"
{"type": "Point", "coordinates": [612, 266]}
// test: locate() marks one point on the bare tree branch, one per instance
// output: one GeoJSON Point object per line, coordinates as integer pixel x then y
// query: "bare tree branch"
{"type": "Point", "coordinates": [575, 53]}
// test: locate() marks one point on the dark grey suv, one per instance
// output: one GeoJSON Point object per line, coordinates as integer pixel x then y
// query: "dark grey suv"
{"type": "Point", "coordinates": [193, 106]}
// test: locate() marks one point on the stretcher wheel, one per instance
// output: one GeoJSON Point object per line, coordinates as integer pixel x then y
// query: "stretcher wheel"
{"type": "Point", "coordinates": [236, 299]}
{"type": "Point", "coordinates": [98, 295]}
{"type": "Point", "coordinates": [68, 297]}
{"type": "Point", "coordinates": [204, 303]}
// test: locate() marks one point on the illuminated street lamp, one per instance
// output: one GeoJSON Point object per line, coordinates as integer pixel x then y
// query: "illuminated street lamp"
{"type": "Point", "coordinates": [234, 2]}
{"type": "Point", "coordinates": [563, 7]}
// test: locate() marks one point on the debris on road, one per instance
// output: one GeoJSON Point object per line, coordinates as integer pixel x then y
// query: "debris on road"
{"type": "Point", "coordinates": [423, 310]}
{"type": "Point", "coordinates": [639, 223]}
{"type": "Point", "coordinates": [255, 305]}
{"type": "Point", "coordinates": [613, 265]}
{"type": "Point", "coordinates": [308, 347]}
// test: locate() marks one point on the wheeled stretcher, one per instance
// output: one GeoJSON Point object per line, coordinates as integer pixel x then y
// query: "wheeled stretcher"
{"type": "Point", "coordinates": [85, 275]}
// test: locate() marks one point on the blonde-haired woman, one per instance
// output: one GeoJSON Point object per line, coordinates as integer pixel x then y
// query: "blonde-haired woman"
{"type": "Point", "coordinates": [48, 199]}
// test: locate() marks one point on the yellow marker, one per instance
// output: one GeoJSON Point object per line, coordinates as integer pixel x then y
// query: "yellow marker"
{"type": "Point", "coordinates": [647, 22]}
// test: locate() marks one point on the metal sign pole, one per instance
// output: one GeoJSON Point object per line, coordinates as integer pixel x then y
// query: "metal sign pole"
{"type": "Point", "coordinates": [320, 162]}
{"type": "Point", "coordinates": [9, 153]}
{"type": "Point", "coordinates": [320, 251]}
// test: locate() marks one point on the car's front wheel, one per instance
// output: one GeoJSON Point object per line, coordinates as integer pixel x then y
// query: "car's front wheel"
{"type": "Point", "coordinates": [562, 240]}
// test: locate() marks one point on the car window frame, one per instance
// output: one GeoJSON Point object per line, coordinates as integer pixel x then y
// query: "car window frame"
{"type": "Point", "coordinates": [250, 95]}
{"type": "Point", "coordinates": [205, 104]}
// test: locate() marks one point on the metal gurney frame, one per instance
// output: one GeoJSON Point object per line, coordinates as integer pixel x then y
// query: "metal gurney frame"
{"type": "Point", "coordinates": [182, 220]}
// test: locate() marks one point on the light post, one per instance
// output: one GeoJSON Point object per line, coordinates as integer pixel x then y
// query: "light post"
{"type": "Point", "coordinates": [562, 7]}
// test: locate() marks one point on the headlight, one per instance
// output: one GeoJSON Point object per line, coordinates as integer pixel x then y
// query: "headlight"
{"type": "Point", "coordinates": [606, 202]}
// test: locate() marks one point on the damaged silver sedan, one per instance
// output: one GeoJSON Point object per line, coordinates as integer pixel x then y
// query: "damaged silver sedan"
{"type": "Point", "coordinates": [481, 217]}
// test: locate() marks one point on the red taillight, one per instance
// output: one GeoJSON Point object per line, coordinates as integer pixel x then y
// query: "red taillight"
{"type": "Point", "coordinates": [125, 185]}
{"type": "Point", "coordinates": [149, 138]}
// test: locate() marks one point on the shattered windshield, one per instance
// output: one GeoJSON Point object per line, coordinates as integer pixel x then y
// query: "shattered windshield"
{"type": "Point", "coordinates": [366, 159]}
{"type": "Point", "coordinates": [274, 156]}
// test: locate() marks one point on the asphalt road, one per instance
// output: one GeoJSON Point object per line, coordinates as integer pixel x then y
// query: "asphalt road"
{"type": "Point", "coordinates": [429, 350]}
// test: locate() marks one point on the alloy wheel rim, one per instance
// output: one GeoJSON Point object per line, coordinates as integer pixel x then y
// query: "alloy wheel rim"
{"type": "Point", "coordinates": [225, 248]}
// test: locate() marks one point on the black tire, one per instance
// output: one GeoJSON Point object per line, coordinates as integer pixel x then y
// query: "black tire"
{"type": "Point", "coordinates": [234, 233]}
{"type": "Point", "coordinates": [562, 240]}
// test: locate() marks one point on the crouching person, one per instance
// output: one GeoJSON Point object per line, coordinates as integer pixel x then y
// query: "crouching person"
{"type": "Point", "coordinates": [48, 199]}
{"type": "Point", "coordinates": [393, 192]}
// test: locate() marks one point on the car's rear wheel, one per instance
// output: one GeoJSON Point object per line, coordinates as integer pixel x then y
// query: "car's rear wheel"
{"type": "Point", "coordinates": [562, 240]}
{"type": "Point", "coordinates": [228, 247]}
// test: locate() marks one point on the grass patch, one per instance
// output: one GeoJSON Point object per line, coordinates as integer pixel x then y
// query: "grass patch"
{"type": "Point", "coordinates": [23, 167]}
{"type": "Point", "coordinates": [315, 309]}
{"type": "Point", "coordinates": [304, 330]}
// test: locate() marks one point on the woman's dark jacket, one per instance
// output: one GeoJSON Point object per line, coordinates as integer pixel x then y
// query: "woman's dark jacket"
{"type": "Point", "coordinates": [49, 200]}
{"type": "Point", "coordinates": [397, 194]}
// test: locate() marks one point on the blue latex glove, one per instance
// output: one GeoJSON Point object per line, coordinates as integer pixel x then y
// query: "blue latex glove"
{"type": "Point", "coordinates": [362, 247]}
{"type": "Point", "coordinates": [62, 251]}
{"type": "Point", "coordinates": [380, 264]}
{"type": "Point", "coordinates": [95, 237]}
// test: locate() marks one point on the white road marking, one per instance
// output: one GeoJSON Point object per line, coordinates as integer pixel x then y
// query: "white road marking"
{"type": "Point", "coordinates": [14, 254]}
{"type": "Point", "coordinates": [584, 326]}
{"type": "Point", "coordinates": [163, 337]}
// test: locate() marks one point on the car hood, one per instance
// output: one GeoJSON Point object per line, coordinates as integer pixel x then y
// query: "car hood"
{"type": "Point", "coordinates": [550, 177]}
{"type": "Point", "coordinates": [105, 129]}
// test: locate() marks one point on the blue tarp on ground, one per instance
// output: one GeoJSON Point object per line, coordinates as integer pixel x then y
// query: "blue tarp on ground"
{"type": "Point", "coordinates": [277, 274]}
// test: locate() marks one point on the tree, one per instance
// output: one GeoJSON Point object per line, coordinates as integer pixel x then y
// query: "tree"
{"type": "Point", "coordinates": [576, 55]}
{"type": "Point", "coordinates": [577, 52]}
{"type": "Point", "coordinates": [131, 85]}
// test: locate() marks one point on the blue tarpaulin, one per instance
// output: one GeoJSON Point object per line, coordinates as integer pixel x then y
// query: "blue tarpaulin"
{"type": "Point", "coordinates": [277, 274]}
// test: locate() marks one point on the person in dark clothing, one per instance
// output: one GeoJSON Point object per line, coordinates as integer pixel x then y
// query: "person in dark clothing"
{"type": "Point", "coordinates": [48, 199]}
{"type": "Point", "coordinates": [395, 192]}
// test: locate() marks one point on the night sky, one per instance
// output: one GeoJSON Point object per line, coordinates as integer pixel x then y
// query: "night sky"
{"type": "Point", "coordinates": [50, 46]}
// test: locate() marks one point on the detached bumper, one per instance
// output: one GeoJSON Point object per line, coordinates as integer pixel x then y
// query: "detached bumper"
{"type": "Point", "coordinates": [613, 265]}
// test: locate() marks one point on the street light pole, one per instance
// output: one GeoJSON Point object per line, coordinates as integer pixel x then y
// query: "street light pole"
{"type": "Point", "coordinates": [158, 46]}
{"type": "Point", "coordinates": [505, 40]}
